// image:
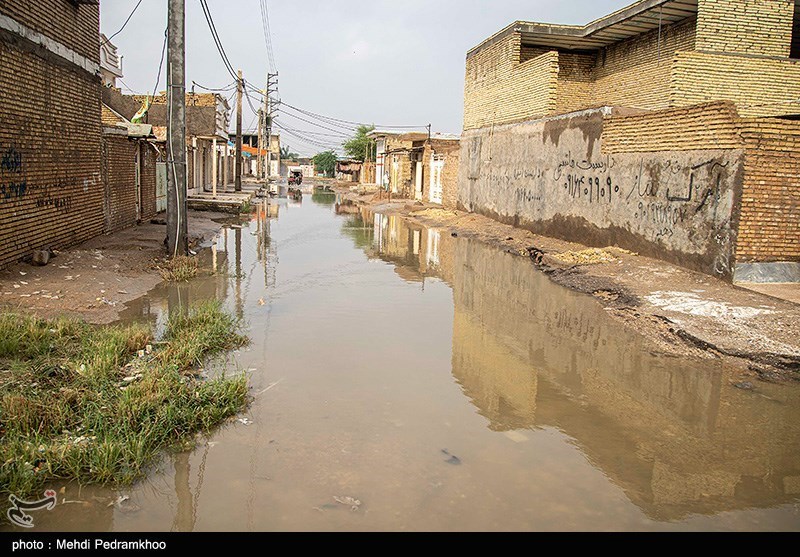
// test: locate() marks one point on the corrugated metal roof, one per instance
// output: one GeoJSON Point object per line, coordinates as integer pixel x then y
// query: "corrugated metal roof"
{"type": "Point", "coordinates": [636, 19]}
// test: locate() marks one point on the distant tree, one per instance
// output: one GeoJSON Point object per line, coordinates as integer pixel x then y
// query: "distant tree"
{"type": "Point", "coordinates": [286, 153]}
{"type": "Point", "coordinates": [325, 162]}
{"type": "Point", "coordinates": [360, 147]}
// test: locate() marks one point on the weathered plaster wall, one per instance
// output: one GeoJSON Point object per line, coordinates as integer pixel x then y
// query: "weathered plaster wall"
{"type": "Point", "coordinates": [551, 177]}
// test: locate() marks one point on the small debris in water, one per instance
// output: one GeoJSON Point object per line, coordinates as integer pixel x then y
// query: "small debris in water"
{"type": "Point", "coordinates": [745, 386]}
{"type": "Point", "coordinates": [261, 302]}
{"type": "Point", "coordinates": [245, 421]}
{"type": "Point", "coordinates": [454, 460]}
{"type": "Point", "coordinates": [351, 502]}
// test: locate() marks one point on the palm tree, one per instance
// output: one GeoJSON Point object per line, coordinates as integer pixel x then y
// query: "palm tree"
{"type": "Point", "coordinates": [286, 153]}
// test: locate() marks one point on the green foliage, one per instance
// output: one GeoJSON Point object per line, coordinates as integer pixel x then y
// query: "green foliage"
{"type": "Point", "coordinates": [325, 162]}
{"type": "Point", "coordinates": [286, 153]}
{"type": "Point", "coordinates": [77, 403]}
{"type": "Point", "coordinates": [360, 147]}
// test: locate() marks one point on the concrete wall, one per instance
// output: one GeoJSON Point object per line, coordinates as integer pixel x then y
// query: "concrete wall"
{"type": "Point", "coordinates": [51, 194]}
{"type": "Point", "coordinates": [551, 177]}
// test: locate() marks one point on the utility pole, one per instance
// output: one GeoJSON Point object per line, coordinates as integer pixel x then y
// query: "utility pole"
{"type": "Point", "coordinates": [177, 225]}
{"type": "Point", "coordinates": [272, 85]}
{"type": "Point", "coordinates": [238, 167]}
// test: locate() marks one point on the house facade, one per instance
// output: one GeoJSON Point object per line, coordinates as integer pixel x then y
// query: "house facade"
{"type": "Point", "coordinates": [207, 122]}
{"type": "Point", "coordinates": [668, 127]}
{"type": "Point", "coordinates": [417, 165]}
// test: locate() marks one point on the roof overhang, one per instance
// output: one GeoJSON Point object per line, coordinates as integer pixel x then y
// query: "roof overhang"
{"type": "Point", "coordinates": [633, 20]}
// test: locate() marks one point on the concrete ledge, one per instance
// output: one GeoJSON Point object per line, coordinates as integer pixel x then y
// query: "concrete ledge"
{"type": "Point", "coordinates": [780, 272]}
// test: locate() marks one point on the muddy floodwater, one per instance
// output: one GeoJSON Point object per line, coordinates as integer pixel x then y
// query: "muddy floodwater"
{"type": "Point", "coordinates": [408, 380]}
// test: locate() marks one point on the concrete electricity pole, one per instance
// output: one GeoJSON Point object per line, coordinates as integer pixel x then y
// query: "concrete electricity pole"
{"type": "Point", "coordinates": [238, 176]}
{"type": "Point", "coordinates": [177, 224]}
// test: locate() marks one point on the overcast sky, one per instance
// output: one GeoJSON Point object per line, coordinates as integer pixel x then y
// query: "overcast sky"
{"type": "Point", "coordinates": [386, 62]}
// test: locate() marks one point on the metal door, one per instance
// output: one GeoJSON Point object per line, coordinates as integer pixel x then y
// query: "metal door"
{"type": "Point", "coordinates": [161, 187]}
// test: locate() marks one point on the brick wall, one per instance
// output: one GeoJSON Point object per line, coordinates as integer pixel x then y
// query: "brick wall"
{"type": "Point", "coordinates": [77, 27]}
{"type": "Point", "coordinates": [700, 127]}
{"type": "Point", "coordinates": [51, 193]}
{"type": "Point", "coordinates": [119, 180]}
{"type": "Point", "coordinates": [575, 81]}
{"type": "Point", "coordinates": [758, 86]}
{"type": "Point", "coordinates": [149, 159]}
{"type": "Point", "coordinates": [500, 89]}
{"type": "Point", "coordinates": [769, 226]}
{"type": "Point", "coordinates": [761, 27]}
{"type": "Point", "coordinates": [452, 153]}
{"type": "Point", "coordinates": [636, 72]}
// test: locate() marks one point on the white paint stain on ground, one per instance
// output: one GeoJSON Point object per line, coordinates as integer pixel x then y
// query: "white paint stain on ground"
{"type": "Point", "coordinates": [692, 304]}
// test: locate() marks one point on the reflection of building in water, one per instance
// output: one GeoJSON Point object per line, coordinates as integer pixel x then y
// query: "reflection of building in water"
{"type": "Point", "coordinates": [672, 433]}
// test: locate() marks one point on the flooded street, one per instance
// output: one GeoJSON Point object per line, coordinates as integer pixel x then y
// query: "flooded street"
{"type": "Point", "coordinates": [408, 380]}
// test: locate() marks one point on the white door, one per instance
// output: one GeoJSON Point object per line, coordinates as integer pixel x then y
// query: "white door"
{"type": "Point", "coordinates": [437, 168]}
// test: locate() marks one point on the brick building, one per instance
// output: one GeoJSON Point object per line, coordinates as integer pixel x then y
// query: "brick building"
{"type": "Point", "coordinates": [207, 121]}
{"type": "Point", "coordinates": [134, 172]}
{"type": "Point", "coordinates": [415, 166]}
{"type": "Point", "coordinates": [51, 190]}
{"type": "Point", "coordinates": [587, 132]}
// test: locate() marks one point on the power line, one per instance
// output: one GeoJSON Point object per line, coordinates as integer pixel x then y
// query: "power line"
{"type": "Point", "coordinates": [268, 35]}
{"type": "Point", "coordinates": [217, 40]}
{"type": "Point", "coordinates": [161, 63]}
{"type": "Point", "coordinates": [315, 123]}
{"type": "Point", "coordinates": [121, 29]}
{"type": "Point", "coordinates": [308, 141]}
{"type": "Point", "coordinates": [331, 119]}
{"type": "Point", "coordinates": [228, 87]}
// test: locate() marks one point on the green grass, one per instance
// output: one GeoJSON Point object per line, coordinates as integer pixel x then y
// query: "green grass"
{"type": "Point", "coordinates": [246, 208]}
{"type": "Point", "coordinates": [179, 269]}
{"type": "Point", "coordinates": [68, 413]}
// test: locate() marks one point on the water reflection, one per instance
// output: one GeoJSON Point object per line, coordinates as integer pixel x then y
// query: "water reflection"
{"type": "Point", "coordinates": [376, 345]}
{"type": "Point", "coordinates": [671, 432]}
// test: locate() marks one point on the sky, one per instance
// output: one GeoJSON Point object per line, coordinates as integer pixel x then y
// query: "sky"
{"type": "Point", "coordinates": [389, 63]}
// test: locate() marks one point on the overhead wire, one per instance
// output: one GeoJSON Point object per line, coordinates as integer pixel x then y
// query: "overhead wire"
{"type": "Point", "coordinates": [161, 63]}
{"type": "Point", "coordinates": [268, 35]}
{"type": "Point", "coordinates": [121, 29]}
{"type": "Point", "coordinates": [217, 41]}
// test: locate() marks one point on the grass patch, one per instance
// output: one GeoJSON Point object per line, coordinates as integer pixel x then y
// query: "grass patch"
{"type": "Point", "coordinates": [179, 269]}
{"type": "Point", "coordinates": [246, 208]}
{"type": "Point", "coordinates": [77, 403]}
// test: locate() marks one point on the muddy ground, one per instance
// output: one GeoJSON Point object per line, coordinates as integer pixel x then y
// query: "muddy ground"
{"type": "Point", "coordinates": [682, 312]}
{"type": "Point", "coordinates": [95, 280]}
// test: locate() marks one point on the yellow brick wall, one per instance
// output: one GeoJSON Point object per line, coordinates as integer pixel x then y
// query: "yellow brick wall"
{"type": "Point", "coordinates": [575, 81]}
{"type": "Point", "coordinates": [700, 127]}
{"type": "Point", "coordinates": [499, 89]}
{"type": "Point", "coordinates": [636, 73]}
{"type": "Point", "coordinates": [769, 226]}
{"type": "Point", "coordinates": [758, 86]}
{"type": "Point", "coordinates": [760, 27]}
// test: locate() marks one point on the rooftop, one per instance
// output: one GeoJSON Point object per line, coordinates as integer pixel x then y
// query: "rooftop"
{"type": "Point", "coordinates": [633, 20]}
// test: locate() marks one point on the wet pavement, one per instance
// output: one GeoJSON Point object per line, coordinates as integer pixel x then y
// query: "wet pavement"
{"type": "Point", "coordinates": [408, 380]}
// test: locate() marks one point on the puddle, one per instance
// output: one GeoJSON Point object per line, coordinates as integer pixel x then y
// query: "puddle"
{"type": "Point", "coordinates": [441, 384]}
